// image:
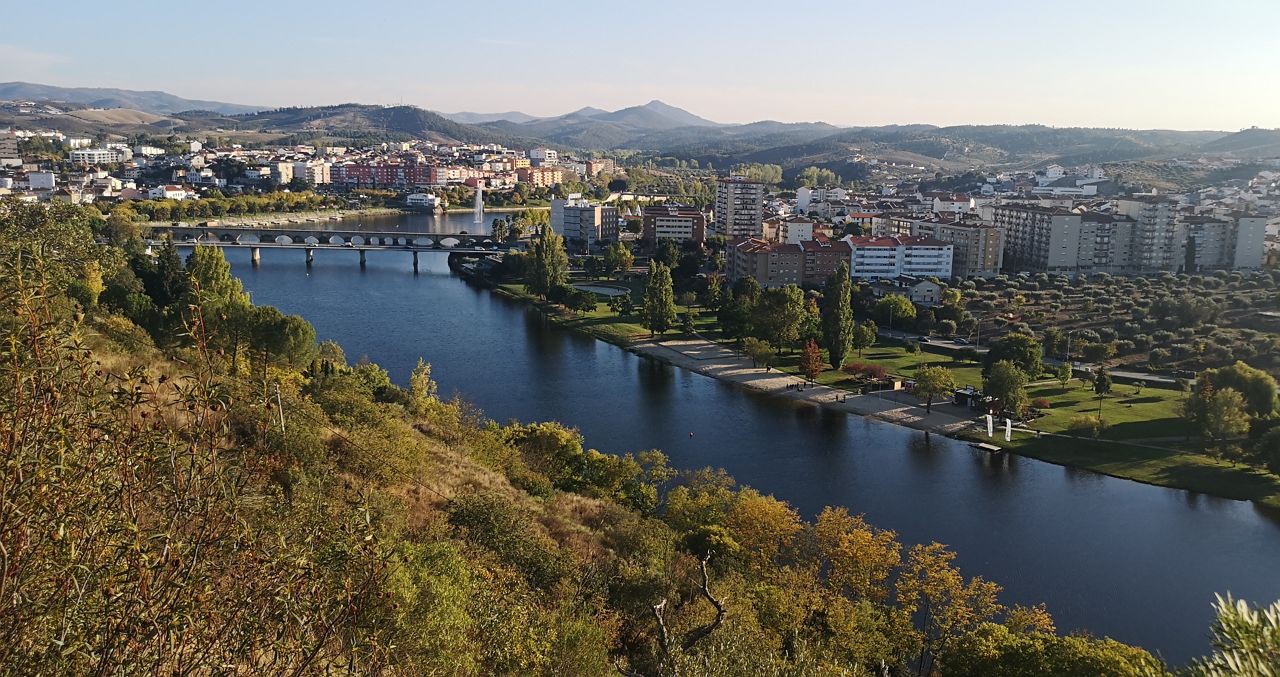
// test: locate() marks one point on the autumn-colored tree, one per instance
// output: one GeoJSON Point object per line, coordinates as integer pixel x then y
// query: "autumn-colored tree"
{"type": "Point", "coordinates": [945, 605]}
{"type": "Point", "coordinates": [811, 361]}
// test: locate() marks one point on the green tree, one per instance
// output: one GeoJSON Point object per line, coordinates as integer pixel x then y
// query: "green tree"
{"type": "Point", "coordinates": [659, 299]}
{"type": "Point", "coordinates": [1063, 374]}
{"type": "Point", "coordinates": [933, 381]}
{"type": "Point", "coordinates": [1008, 385]}
{"type": "Point", "coordinates": [617, 258]}
{"type": "Point", "coordinates": [837, 316]}
{"type": "Point", "coordinates": [1257, 386]}
{"type": "Point", "coordinates": [1224, 416]}
{"type": "Point", "coordinates": [548, 265]}
{"type": "Point", "coordinates": [994, 649]}
{"type": "Point", "coordinates": [779, 314]}
{"type": "Point", "coordinates": [1018, 348]}
{"type": "Point", "coordinates": [760, 352]}
{"type": "Point", "coordinates": [1101, 386]}
{"type": "Point", "coordinates": [895, 310]}
{"type": "Point", "coordinates": [1098, 353]}
{"type": "Point", "coordinates": [864, 336]}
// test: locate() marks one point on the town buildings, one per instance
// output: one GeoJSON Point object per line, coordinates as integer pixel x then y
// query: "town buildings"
{"type": "Point", "coordinates": [739, 207]}
{"type": "Point", "coordinates": [887, 257]}
{"type": "Point", "coordinates": [582, 224]}
{"type": "Point", "coordinates": [673, 222]}
{"type": "Point", "coordinates": [977, 246]}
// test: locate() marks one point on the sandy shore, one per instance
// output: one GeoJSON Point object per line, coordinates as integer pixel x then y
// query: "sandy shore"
{"type": "Point", "coordinates": [721, 363]}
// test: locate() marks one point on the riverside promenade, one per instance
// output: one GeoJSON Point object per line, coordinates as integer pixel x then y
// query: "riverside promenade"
{"type": "Point", "coordinates": [719, 362]}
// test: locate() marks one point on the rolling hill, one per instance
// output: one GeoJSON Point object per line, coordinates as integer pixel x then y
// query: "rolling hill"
{"type": "Point", "coordinates": [1253, 142]}
{"type": "Point", "coordinates": [98, 97]}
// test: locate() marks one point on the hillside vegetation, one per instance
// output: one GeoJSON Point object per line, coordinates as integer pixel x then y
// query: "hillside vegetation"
{"type": "Point", "coordinates": [190, 484]}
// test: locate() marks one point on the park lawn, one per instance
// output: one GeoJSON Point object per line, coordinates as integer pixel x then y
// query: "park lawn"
{"type": "Point", "coordinates": [605, 324]}
{"type": "Point", "coordinates": [1152, 414]}
{"type": "Point", "coordinates": [1168, 468]}
{"type": "Point", "coordinates": [893, 357]}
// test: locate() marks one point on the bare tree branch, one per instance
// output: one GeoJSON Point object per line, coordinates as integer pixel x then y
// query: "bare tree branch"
{"type": "Point", "coordinates": [699, 634]}
{"type": "Point", "coordinates": [662, 626]}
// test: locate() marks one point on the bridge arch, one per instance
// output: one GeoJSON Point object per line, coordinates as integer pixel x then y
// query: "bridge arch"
{"type": "Point", "coordinates": [336, 239]}
{"type": "Point", "coordinates": [312, 239]}
{"type": "Point", "coordinates": [450, 242]}
{"type": "Point", "coordinates": [356, 239]}
{"type": "Point", "coordinates": [284, 239]}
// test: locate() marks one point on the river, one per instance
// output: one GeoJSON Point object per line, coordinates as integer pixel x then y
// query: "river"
{"type": "Point", "coordinates": [1127, 560]}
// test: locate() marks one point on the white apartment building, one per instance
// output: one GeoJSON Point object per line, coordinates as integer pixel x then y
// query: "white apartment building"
{"type": "Point", "coordinates": [99, 156]}
{"type": "Point", "coordinates": [583, 223]}
{"type": "Point", "coordinates": [318, 173]}
{"type": "Point", "coordinates": [806, 196]}
{"type": "Point", "coordinates": [739, 208]}
{"type": "Point", "coordinates": [795, 229]}
{"type": "Point", "coordinates": [543, 156]}
{"type": "Point", "coordinates": [875, 257]}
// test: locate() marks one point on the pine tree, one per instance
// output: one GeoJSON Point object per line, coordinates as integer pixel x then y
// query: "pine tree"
{"type": "Point", "coordinates": [837, 316]}
{"type": "Point", "coordinates": [659, 299]}
{"type": "Point", "coordinates": [549, 264]}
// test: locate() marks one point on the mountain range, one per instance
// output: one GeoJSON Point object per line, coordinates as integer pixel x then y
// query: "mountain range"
{"type": "Point", "coordinates": [99, 97]}
{"type": "Point", "coordinates": [654, 127]}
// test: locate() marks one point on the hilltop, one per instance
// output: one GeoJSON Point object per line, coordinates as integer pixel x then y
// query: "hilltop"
{"type": "Point", "coordinates": [101, 97]}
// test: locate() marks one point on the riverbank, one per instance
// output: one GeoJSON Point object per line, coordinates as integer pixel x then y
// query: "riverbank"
{"type": "Point", "coordinates": [286, 218]}
{"type": "Point", "coordinates": [468, 210]}
{"type": "Point", "coordinates": [1148, 464]}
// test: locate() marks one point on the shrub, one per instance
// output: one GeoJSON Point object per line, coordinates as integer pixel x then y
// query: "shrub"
{"type": "Point", "coordinates": [874, 371]}
{"type": "Point", "coordinates": [1040, 403]}
{"type": "Point", "coordinates": [1086, 424]}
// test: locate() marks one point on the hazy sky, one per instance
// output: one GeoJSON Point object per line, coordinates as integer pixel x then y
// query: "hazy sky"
{"type": "Point", "coordinates": [1181, 64]}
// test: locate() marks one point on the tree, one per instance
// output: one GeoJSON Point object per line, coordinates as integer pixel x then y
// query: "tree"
{"type": "Point", "coordinates": [760, 352]}
{"type": "Point", "coordinates": [1008, 385]}
{"type": "Point", "coordinates": [1020, 349]}
{"type": "Point", "coordinates": [713, 294]}
{"type": "Point", "coordinates": [995, 649]}
{"type": "Point", "coordinates": [864, 336]}
{"type": "Point", "coordinates": [548, 265]}
{"type": "Point", "coordinates": [1219, 413]}
{"type": "Point", "coordinates": [1101, 386]}
{"type": "Point", "coordinates": [659, 299]}
{"type": "Point", "coordinates": [837, 316]}
{"type": "Point", "coordinates": [811, 361]}
{"type": "Point", "coordinates": [500, 230]}
{"type": "Point", "coordinates": [933, 381]}
{"type": "Point", "coordinates": [1257, 386]}
{"type": "Point", "coordinates": [779, 314]}
{"type": "Point", "coordinates": [895, 309]}
{"type": "Point", "coordinates": [1064, 374]}
{"type": "Point", "coordinates": [617, 258]}
{"type": "Point", "coordinates": [947, 607]}
{"type": "Point", "coordinates": [1098, 352]}
{"type": "Point", "coordinates": [690, 320]}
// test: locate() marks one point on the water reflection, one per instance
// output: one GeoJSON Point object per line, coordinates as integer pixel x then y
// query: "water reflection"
{"type": "Point", "coordinates": [1135, 562]}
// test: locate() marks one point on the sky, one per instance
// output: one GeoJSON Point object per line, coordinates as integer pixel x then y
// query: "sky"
{"type": "Point", "coordinates": [1175, 64]}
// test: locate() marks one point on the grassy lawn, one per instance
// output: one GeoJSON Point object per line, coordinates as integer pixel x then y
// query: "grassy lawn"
{"type": "Point", "coordinates": [1129, 415]}
{"type": "Point", "coordinates": [605, 324]}
{"type": "Point", "coordinates": [1192, 471]}
{"type": "Point", "coordinates": [895, 358]}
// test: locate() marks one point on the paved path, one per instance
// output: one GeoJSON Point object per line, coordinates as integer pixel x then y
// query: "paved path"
{"type": "Point", "coordinates": [719, 362]}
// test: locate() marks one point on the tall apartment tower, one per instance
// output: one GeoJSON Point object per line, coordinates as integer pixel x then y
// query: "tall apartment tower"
{"type": "Point", "coordinates": [1039, 239]}
{"type": "Point", "coordinates": [739, 207]}
{"type": "Point", "coordinates": [1158, 238]}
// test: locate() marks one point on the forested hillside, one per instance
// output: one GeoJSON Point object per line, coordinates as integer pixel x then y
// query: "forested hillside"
{"type": "Point", "coordinates": [191, 484]}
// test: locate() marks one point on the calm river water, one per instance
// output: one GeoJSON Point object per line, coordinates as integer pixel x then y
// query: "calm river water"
{"type": "Point", "coordinates": [1135, 562]}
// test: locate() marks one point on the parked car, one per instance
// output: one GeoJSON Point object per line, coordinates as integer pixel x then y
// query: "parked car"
{"type": "Point", "coordinates": [960, 341]}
